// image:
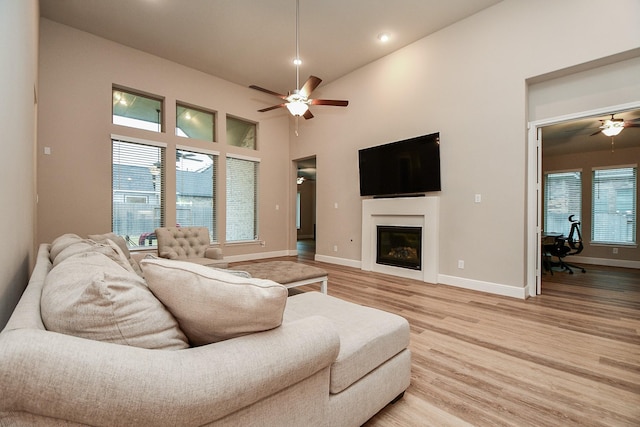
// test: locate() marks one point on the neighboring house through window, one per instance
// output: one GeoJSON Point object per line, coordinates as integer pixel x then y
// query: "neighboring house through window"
{"type": "Point", "coordinates": [138, 189]}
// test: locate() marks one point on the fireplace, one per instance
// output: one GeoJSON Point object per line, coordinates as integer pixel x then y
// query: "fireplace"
{"type": "Point", "coordinates": [410, 212]}
{"type": "Point", "coordinates": [399, 246]}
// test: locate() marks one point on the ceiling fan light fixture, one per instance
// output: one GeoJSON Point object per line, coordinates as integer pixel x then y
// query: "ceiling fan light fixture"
{"type": "Point", "coordinates": [612, 127]}
{"type": "Point", "coordinates": [297, 108]}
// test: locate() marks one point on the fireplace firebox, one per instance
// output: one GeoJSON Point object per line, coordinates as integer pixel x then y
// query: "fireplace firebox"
{"type": "Point", "coordinates": [399, 246]}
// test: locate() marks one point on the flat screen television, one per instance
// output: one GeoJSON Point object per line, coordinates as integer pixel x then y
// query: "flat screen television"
{"type": "Point", "coordinates": [407, 167]}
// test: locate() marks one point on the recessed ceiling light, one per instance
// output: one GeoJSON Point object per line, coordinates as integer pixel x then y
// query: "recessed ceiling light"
{"type": "Point", "coordinates": [384, 37]}
{"type": "Point", "coordinates": [297, 61]}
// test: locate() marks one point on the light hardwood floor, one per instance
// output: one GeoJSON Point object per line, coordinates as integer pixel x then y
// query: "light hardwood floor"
{"type": "Point", "coordinates": [570, 357]}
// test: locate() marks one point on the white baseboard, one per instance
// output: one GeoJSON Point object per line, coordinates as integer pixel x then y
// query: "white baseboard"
{"type": "Point", "coordinates": [625, 263]}
{"type": "Point", "coordinates": [339, 261]}
{"type": "Point", "coordinates": [478, 285]}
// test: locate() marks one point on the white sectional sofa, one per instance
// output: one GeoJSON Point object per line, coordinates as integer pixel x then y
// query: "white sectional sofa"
{"type": "Point", "coordinates": [81, 348]}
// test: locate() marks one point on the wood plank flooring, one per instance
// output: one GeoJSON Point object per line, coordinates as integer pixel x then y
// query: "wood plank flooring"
{"type": "Point", "coordinates": [570, 357]}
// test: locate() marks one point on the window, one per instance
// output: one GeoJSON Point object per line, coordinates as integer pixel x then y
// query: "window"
{"type": "Point", "coordinates": [192, 122]}
{"type": "Point", "coordinates": [138, 190]}
{"type": "Point", "coordinates": [137, 110]}
{"type": "Point", "coordinates": [562, 197]}
{"type": "Point", "coordinates": [298, 211]}
{"type": "Point", "coordinates": [241, 133]}
{"type": "Point", "coordinates": [614, 205]}
{"type": "Point", "coordinates": [196, 190]}
{"type": "Point", "coordinates": [242, 199]}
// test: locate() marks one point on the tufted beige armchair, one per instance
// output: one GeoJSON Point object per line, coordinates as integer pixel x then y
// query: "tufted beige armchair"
{"type": "Point", "coordinates": [189, 244]}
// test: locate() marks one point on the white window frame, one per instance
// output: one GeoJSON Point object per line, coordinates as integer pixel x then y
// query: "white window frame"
{"type": "Point", "coordinates": [633, 215]}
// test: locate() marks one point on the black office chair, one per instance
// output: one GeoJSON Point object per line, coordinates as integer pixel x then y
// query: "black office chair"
{"type": "Point", "coordinates": [567, 246]}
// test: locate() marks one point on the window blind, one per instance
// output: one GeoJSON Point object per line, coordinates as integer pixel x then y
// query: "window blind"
{"type": "Point", "coordinates": [614, 205]}
{"type": "Point", "coordinates": [138, 191]}
{"type": "Point", "coordinates": [562, 198]}
{"type": "Point", "coordinates": [196, 190]}
{"type": "Point", "coordinates": [242, 199]}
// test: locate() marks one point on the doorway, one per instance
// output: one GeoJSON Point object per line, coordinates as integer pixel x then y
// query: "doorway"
{"type": "Point", "coordinates": [306, 207]}
{"type": "Point", "coordinates": [555, 144]}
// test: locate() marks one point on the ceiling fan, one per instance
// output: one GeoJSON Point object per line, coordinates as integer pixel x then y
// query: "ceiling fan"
{"type": "Point", "coordinates": [613, 126]}
{"type": "Point", "coordinates": [298, 102]}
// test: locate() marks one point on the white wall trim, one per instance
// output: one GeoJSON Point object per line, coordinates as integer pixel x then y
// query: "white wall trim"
{"type": "Point", "coordinates": [488, 287]}
{"type": "Point", "coordinates": [339, 261]}
{"type": "Point", "coordinates": [535, 168]}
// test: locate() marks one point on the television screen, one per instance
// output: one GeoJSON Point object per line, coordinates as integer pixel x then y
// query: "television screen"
{"type": "Point", "coordinates": [411, 166]}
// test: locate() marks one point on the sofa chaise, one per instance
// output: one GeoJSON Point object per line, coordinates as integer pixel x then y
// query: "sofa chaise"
{"type": "Point", "coordinates": [207, 347]}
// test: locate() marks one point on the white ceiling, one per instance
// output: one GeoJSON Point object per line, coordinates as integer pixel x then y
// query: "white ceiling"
{"type": "Point", "coordinates": [253, 41]}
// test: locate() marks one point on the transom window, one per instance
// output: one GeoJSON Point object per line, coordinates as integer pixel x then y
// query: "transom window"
{"type": "Point", "coordinates": [192, 122]}
{"type": "Point", "coordinates": [136, 110]}
{"type": "Point", "coordinates": [241, 133]}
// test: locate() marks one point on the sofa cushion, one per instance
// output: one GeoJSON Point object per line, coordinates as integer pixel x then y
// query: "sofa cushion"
{"type": "Point", "coordinates": [122, 244]}
{"type": "Point", "coordinates": [108, 248]}
{"type": "Point", "coordinates": [61, 243]}
{"type": "Point", "coordinates": [118, 240]}
{"type": "Point", "coordinates": [368, 337]}
{"type": "Point", "coordinates": [90, 296]}
{"type": "Point", "coordinates": [212, 305]}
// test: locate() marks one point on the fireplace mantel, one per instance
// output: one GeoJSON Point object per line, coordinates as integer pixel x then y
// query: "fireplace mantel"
{"type": "Point", "coordinates": [402, 211]}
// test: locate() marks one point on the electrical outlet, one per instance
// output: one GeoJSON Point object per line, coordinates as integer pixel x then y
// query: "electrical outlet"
{"type": "Point", "coordinates": [460, 264]}
{"type": "Point", "coordinates": [615, 251]}
{"type": "Point", "coordinates": [335, 248]}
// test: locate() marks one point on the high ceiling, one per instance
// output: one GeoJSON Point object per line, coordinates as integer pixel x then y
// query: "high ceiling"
{"type": "Point", "coordinates": [253, 41]}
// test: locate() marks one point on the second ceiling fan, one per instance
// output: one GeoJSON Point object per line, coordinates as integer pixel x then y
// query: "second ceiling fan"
{"type": "Point", "coordinates": [299, 101]}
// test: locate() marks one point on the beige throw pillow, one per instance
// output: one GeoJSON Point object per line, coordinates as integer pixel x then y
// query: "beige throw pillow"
{"type": "Point", "coordinates": [90, 296]}
{"type": "Point", "coordinates": [212, 305]}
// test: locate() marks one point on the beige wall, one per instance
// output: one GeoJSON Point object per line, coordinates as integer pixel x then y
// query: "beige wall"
{"type": "Point", "coordinates": [460, 82]}
{"type": "Point", "coordinates": [77, 71]}
{"type": "Point", "coordinates": [468, 82]}
{"type": "Point", "coordinates": [18, 84]}
{"type": "Point", "coordinates": [602, 254]}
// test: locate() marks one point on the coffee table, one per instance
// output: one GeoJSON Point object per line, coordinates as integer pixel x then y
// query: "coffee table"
{"type": "Point", "coordinates": [288, 273]}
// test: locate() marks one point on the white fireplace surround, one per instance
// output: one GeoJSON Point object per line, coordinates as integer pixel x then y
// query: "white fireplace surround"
{"type": "Point", "coordinates": [407, 212]}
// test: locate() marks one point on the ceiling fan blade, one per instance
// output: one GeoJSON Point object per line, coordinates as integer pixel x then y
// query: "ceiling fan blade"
{"type": "Point", "coordinates": [270, 92]}
{"type": "Point", "coordinates": [597, 132]}
{"type": "Point", "coordinates": [271, 108]}
{"type": "Point", "coordinates": [309, 86]}
{"type": "Point", "coordinates": [632, 125]}
{"type": "Point", "coordinates": [334, 102]}
{"type": "Point", "coordinates": [307, 115]}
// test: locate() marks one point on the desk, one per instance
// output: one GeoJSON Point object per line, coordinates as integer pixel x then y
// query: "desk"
{"type": "Point", "coordinates": [547, 244]}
